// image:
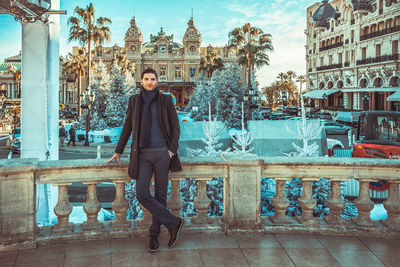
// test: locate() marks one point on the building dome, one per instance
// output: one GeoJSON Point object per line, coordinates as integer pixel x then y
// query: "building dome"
{"type": "Point", "coordinates": [133, 33]}
{"type": "Point", "coordinates": [324, 13]}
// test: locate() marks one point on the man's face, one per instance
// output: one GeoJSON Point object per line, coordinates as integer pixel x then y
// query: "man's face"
{"type": "Point", "coordinates": [149, 81]}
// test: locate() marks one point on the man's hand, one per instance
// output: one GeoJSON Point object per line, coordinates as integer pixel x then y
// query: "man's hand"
{"type": "Point", "coordinates": [116, 156]}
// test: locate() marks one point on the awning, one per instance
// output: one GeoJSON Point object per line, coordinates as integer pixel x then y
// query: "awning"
{"type": "Point", "coordinates": [394, 97]}
{"type": "Point", "coordinates": [317, 94]}
{"type": "Point", "coordinates": [368, 90]}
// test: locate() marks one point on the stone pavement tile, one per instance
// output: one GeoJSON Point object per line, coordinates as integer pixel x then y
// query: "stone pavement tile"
{"type": "Point", "coordinates": [376, 244]}
{"type": "Point", "coordinates": [338, 242]}
{"type": "Point", "coordinates": [129, 245]}
{"type": "Point", "coordinates": [137, 259]}
{"type": "Point", "coordinates": [265, 257]}
{"type": "Point", "coordinates": [356, 258]}
{"type": "Point", "coordinates": [8, 258]}
{"type": "Point", "coordinates": [184, 242]}
{"type": "Point", "coordinates": [299, 241]}
{"type": "Point", "coordinates": [50, 263]}
{"type": "Point", "coordinates": [177, 258]}
{"type": "Point", "coordinates": [45, 253]}
{"type": "Point", "coordinates": [214, 241]}
{"type": "Point", "coordinates": [389, 258]}
{"type": "Point", "coordinates": [89, 261]}
{"type": "Point", "coordinates": [257, 241]}
{"type": "Point", "coordinates": [311, 257]}
{"type": "Point", "coordinates": [88, 248]}
{"type": "Point", "coordinates": [231, 257]}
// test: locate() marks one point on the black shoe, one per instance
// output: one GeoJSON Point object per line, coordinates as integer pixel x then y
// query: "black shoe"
{"type": "Point", "coordinates": [154, 245]}
{"type": "Point", "coordinates": [174, 233]}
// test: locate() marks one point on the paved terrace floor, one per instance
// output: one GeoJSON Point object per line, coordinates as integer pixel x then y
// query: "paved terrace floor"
{"type": "Point", "coordinates": [215, 250]}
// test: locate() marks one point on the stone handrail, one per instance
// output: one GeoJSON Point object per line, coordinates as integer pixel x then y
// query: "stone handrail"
{"type": "Point", "coordinates": [242, 197]}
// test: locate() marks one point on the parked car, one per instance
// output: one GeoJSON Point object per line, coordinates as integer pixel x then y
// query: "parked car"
{"type": "Point", "coordinates": [15, 146]}
{"type": "Point", "coordinates": [336, 128]}
{"type": "Point", "coordinates": [15, 133]}
{"type": "Point", "coordinates": [334, 144]}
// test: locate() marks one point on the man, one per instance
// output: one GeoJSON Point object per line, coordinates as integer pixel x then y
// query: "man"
{"type": "Point", "coordinates": [62, 133]}
{"type": "Point", "coordinates": [71, 135]}
{"type": "Point", "coordinates": [152, 119]}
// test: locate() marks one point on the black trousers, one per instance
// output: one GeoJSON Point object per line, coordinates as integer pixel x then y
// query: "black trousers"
{"type": "Point", "coordinates": [156, 162]}
{"type": "Point", "coordinates": [72, 139]}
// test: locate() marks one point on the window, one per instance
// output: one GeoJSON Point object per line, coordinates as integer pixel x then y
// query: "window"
{"type": "Point", "coordinates": [378, 50]}
{"type": "Point", "coordinates": [70, 97]}
{"type": "Point", "coordinates": [321, 61]}
{"type": "Point", "coordinates": [178, 72]}
{"type": "Point", "coordinates": [347, 56]}
{"type": "Point", "coordinates": [340, 58]}
{"type": "Point", "coordinates": [352, 36]}
{"type": "Point", "coordinates": [395, 47]}
{"type": "Point", "coordinates": [330, 60]}
{"type": "Point", "coordinates": [363, 53]}
{"type": "Point", "coordinates": [353, 58]}
{"type": "Point", "coordinates": [163, 71]}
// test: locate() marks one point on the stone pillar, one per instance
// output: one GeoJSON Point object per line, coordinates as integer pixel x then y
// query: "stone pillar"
{"type": "Point", "coordinates": [280, 203]}
{"type": "Point", "coordinates": [307, 203]}
{"type": "Point", "coordinates": [175, 202]}
{"type": "Point", "coordinates": [346, 100]}
{"type": "Point", "coordinates": [242, 194]}
{"type": "Point", "coordinates": [373, 101]}
{"type": "Point", "coordinates": [63, 209]}
{"type": "Point", "coordinates": [370, 101]}
{"type": "Point", "coordinates": [335, 204]}
{"type": "Point", "coordinates": [364, 205]}
{"type": "Point", "coordinates": [91, 207]}
{"type": "Point", "coordinates": [120, 206]}
{"type": "Point", "coordinates": [202, 202]}
{"type": "Point", "coordinates": [392, 205]}
{"type": "Point", "coordinates": [356, 101]}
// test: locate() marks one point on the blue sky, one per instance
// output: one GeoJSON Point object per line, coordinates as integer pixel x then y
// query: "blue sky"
{"type": "Point", "coordinates": [285, 20]}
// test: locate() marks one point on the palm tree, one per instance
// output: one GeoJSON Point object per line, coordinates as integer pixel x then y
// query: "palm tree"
{"type": "Point", "coordinates": [301, 79]}
{"type": "Point", "coordinates": [251, 43]}
{"type": "Point", "coordinates": [86, 29]}
{"type": "Point", "coordinates": [210, 63]}
{"type": "Point", "coordinates": [125, 65]}
{"type": "Point", "coordinates": [76, 64]}
{"type": "Point", "coordinates": [291, 75]}
{"type": "Point", "coordinates": [281, 76]}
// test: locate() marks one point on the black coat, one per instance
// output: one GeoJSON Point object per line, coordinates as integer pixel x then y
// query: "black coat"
{"type": "Point", "coordinates": [169, 123]}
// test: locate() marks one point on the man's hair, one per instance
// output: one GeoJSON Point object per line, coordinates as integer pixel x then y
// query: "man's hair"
{"type": "Point", "coordinates": [149, 70]}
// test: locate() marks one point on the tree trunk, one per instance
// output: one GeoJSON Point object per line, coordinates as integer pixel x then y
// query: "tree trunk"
{"type": "Point", "coordinates": [89, 58]}
{"type": "Point", "coordinates": [79, 93]}
{"type": "Point", "coordinates": [249, 115]}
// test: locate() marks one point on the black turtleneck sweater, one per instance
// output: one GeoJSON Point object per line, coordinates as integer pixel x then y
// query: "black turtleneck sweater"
{"type": "Point", "coordinates": [150, 134]}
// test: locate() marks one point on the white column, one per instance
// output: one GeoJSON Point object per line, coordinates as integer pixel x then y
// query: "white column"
{"type": "Point", "coordinates": [356, 101]}
{"type": "Point", "coordinates": [346, 100]}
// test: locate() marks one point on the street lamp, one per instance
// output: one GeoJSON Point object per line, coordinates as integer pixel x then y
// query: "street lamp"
{"type": "Point", "coordinates": [366, 101]}
{"type": "Point", "coordinates": [284, 98]}
{"type": "Point", "coordinates": [324, 97]}
{"type": "Point", "coordinates": [87, 99]}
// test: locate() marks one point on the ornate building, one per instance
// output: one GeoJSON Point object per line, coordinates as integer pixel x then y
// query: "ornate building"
{"type": "Point", "coordinates": [352, 54]}
{"type": "Point", "coordinates": [177, 64]}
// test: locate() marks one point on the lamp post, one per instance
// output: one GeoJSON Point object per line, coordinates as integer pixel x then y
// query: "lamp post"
{"type": "Point", "coordinates": [87, 99]}
{"type": "Point", "coordinates": [324, 97]}
{"type": "Point", "coordinates": [366, 101]}
{"type": "Point", "coordinates": [284, 98]}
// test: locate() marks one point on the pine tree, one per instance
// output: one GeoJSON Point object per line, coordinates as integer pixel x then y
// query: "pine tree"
{"type": "Point", "coordinates": [101, 87]}
{"type": "Point", "coordinates": [203, 94]}
{"type": "Point", "coordinates": [118, 99]}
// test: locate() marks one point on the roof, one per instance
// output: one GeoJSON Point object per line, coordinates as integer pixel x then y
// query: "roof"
{"type": "Point", "coordinates": [4, 66]}
{"type": "Point", "coordinates": [325, 12]}
{"type": "Point", "coordinates": [16, 58]}
{"type": "Point", "coordinates": [395, 96]}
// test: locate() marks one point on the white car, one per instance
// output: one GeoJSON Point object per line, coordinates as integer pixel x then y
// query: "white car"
{"type": "Point", "coordinates": [334, 144]}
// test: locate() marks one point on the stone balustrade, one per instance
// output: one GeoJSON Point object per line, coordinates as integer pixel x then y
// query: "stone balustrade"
{"type": "Point", "coordinates": [242, 198]}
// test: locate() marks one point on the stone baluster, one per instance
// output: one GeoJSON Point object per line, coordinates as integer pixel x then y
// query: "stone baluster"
{"type": "Point", "coordinates": [175, 202]}
{"type": "Point", "coordinates": [91, 207]}
{"type": "Point", "coordinates": [280, 203]}
{"type": "Point", "coordinates": [307, 204]}
{"type": "Point", "coordinates": [364, 205]}
{"type": "Point", "coordinates": [202, 202]}
{"type": "Point", "coordinates": [392, 205]}
{"type": "Point", "coordinates": [335, 204]}
{"type": "Point", "coordinates": [63, 209]}
{"type": "Point", "coordinates": [120, 206]}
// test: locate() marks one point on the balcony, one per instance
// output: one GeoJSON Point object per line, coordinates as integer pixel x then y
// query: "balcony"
{"type": "Point", "coordinates": [347, 64]}
{"type": "Point", "coordinates": [330, 46]}
{"type": "Point", "coordinates": [241, 203]}
{"type": "Point", "coordinates": [372, 60]}
{"type": "Point", "coordinates": [328, 67]}
{"type": "Point", "coordinates": [380, 33]}
{"type": "Point", "coordinates": [309, 69]}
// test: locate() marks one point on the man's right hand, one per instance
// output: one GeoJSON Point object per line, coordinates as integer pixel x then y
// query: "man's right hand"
{"type": "Point", "coordinates": [116, 156]}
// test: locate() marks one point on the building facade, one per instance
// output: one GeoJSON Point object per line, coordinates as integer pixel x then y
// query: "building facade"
{"type": "Point", "coordinates": [177, 64]}
{"type": "Point", "coordinates": [352, 54]}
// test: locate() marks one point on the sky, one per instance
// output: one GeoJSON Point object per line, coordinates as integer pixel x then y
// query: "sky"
{"type": "Point", "coordinates": [284, 20]}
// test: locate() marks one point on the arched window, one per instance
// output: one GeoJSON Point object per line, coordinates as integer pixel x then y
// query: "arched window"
{"type": "Point", "coordinates": [330, 85]}
{"type": "Point", "coordinates": [363, 83]}
{"type": "Point", "coordinates": [378, 82]}
{"type": "Point", "coordinates": [340, 84]}
{"type": "Point", "coordinates": [394, 81]}
{"type": "Point", "coordinates": [321, 85]}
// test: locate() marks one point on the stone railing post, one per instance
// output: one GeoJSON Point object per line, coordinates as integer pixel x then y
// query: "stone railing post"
{"type": "Point", "coordinates": [242, 194]}
{"type": "Point", "coordinates": [392, 205]}
{"type": "Point", "coordinates": [307, 203]}
{"type": "Point", "coordinates": [280, 203]}
{"type": "Point", "coordinates": [202, 202]}
{"type": "Point", "coordinates": [175, 202]}
{"type": "Point", "coordinates": [63, 209]}
{"type": "Point", "coordinates": [335, 204]}
{"type": "Point", "coordinates": [92, 207]}
{"type": "Point", "coordinates": [364, 205]}
{"type": "Point", "coordinates": [120, 206]}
